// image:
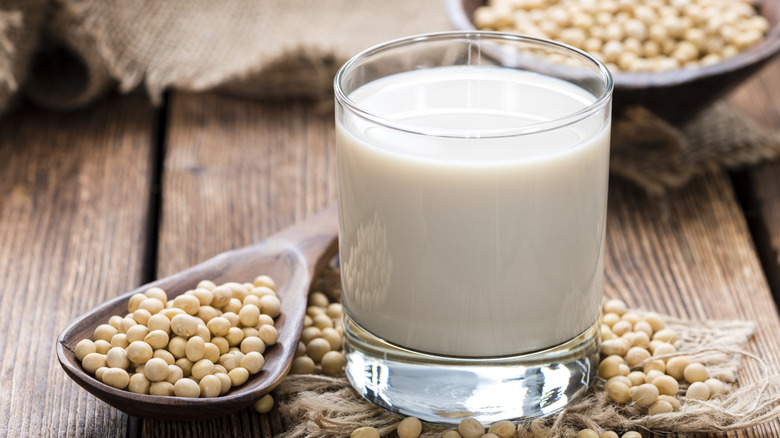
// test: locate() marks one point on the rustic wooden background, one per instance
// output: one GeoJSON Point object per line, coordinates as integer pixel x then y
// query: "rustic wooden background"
{"type": "Point", "coordinates": [95, 202]}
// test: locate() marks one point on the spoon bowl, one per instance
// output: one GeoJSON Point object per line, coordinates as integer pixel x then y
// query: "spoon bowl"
{"type": "Point", "coordinates": [292, 258]}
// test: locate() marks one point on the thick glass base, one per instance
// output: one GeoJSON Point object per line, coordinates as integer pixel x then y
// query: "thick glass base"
{"type": "Point", "coordinates": [444, 390]}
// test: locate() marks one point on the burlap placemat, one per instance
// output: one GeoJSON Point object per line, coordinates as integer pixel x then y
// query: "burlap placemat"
{"type": "Point", "coordinates": [321, 406]}
{"type": "Point", "coordinates": [314, 406]}
{"type": "Point", "coordinates": [276, 49]}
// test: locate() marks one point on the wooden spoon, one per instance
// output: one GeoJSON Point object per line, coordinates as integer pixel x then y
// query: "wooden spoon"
{"type": "Point", "coordinates": [292, 258]}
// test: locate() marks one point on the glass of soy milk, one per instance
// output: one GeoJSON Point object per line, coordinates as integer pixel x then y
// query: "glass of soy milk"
{"type": "Point", "coordinates": [473, 173]}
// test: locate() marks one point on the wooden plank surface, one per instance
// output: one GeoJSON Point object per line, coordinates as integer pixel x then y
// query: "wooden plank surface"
{"type": "Point", "coordinates": [74, 196]}
{"type": "Point", "coordinates": [74, 206]}
{"type": "Point", "coordinates": [235, 172]}
{"type": "Point", "coordinates": [690, 255]}
{"type": "Point", "coordinates": [238, 170]}
{"type": "Point", "coordinates": [760, 98]}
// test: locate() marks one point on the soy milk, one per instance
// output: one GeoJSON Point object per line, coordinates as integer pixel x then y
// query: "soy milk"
{"type": "Point", "coordinates": [484, 236]}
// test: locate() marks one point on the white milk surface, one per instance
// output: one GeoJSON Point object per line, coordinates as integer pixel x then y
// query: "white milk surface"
{"type": "Point", "coordinates": [483, 246]}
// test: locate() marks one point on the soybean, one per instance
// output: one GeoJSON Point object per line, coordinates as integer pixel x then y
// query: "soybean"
{"type": "Point", "coordinates": [165, 342]}
{"type": "Point", "coordinates": [409, 427]}
{"type": "Point", "coordinates": [264, 404]}
{"type": "Point", "coordinates": [471, 428]}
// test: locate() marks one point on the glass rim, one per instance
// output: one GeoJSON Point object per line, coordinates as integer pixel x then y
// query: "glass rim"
{"type": "Point", "coordinates": [475, 35]}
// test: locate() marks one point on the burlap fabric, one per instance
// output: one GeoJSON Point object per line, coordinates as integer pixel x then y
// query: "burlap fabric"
{"type": "Point", "coordinates": [321, 406]}
{"type": "Point", "coordinates": [261, 47]}
{"type": "Point", "coordinates": [278, 49]}
{"type": "Point", "coordinates": [20, 24]}
{"type": "Point", "coordinates": [314, 406]}
{"type": "Point", "coordinates": [658, 156]}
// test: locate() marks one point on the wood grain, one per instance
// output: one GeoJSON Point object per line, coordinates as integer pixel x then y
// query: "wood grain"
{"type": "Point", "coordinates": [235, 172]}
{"type": "Point", "coordinates": [690, 255]}
{"type": "Point", "coordinates": [760, 98]}
{"type": "Point", "coordinates": [74, 196]}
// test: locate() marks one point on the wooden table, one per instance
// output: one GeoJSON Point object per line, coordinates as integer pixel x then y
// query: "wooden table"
{"type": "Point", "coordinates": [96, 202]}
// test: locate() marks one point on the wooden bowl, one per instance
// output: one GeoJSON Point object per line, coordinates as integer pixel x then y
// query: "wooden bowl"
{"type": "Point", "coordinates": [675, 95]}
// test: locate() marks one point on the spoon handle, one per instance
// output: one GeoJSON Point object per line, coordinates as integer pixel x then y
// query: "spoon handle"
{"type": "Point", "coordinates": [316, 238]}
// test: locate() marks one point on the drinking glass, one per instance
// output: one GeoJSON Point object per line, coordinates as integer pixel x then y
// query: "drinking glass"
{"type": "Point", "coordinates": [473, 172]}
